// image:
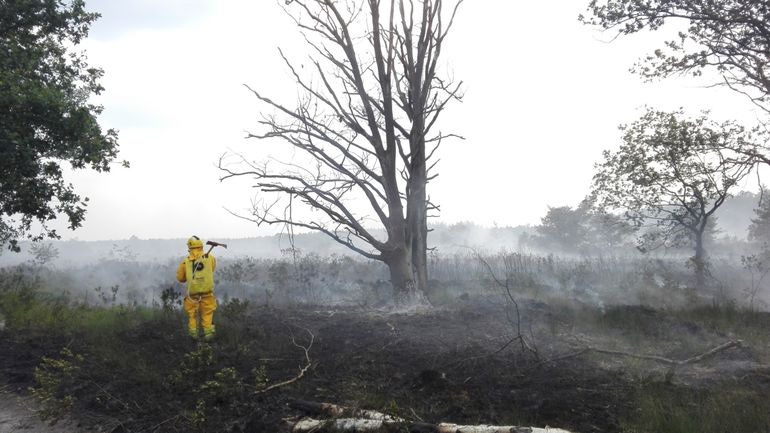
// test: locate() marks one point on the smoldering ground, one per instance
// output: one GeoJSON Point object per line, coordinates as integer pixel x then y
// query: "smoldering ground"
{"type": "Point", "coordinates": [590, 344]}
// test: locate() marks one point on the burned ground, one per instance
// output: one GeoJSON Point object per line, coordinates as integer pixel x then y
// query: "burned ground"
{"type": "Point", "coordinates": [456, 363]}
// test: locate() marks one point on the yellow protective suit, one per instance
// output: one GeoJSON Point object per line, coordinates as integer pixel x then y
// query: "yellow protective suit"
{"type": "Point", "coordinates": [197, 270]}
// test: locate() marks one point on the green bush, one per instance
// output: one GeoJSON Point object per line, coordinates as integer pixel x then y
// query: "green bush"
{"type": "Point", "coordinates": [55, 378]}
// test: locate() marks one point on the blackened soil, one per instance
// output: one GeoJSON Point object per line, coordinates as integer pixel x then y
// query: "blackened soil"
{"type": "Point", "coordinates": [449, 367]}
{"type": "Point", "coordinates": [457, 365]}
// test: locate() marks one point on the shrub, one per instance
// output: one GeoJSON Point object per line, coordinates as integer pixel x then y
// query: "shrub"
{"type": "Point", "coordinates": [55, 378]}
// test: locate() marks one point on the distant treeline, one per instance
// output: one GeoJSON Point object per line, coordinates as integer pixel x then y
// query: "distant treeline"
{"type": "Point", "coordinates": [563, 230]}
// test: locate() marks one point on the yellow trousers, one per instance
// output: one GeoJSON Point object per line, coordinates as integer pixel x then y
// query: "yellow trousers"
{"type": "Point", "coordinates": [201, 306]}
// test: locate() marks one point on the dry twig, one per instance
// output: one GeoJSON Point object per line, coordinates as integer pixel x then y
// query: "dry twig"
{"type": "Point", "coordinates": [302, 369]}
{"type": "Point", "coordinates": [506, 287]}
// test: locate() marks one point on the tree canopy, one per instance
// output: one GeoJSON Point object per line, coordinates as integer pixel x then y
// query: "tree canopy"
{"type": "Point", "coordinates": [581, 230]}
{"type": "Point", "coordinates": [672, 173]}
{"type": "Point", "coordinates": [730, 37]}
{"type": "Point", "coordinates": [46, 117]}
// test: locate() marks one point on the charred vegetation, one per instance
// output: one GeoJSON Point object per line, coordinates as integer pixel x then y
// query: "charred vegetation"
{"type": "Point", "coordinates": [596, 367]}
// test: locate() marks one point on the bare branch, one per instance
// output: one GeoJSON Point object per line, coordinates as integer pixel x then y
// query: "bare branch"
{"type": "Point", "coordinates": [302, 369]}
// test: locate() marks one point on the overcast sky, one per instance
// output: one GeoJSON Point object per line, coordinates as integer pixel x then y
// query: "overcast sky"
{"type": "Point", "coordinates": [544, 96]}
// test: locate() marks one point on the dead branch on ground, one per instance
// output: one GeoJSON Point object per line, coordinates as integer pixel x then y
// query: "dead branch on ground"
{"type": "Point", "coordinates": [302, 369]}
{"type": "Point", "coordinates": [673, 363]}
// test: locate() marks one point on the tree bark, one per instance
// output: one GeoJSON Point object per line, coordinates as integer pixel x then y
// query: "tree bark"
{"type": "Point", "coordinates": [399, 263]}
{"type": "Point", "coordinates": [699, 260]}
{"type": "Point", "coordinates": [417, 211]}
{"type": "Point", "coordinates": [366, 128]}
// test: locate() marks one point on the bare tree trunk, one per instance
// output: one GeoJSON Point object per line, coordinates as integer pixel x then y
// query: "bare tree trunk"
{"type": "Point", "coordinates": [417, 197]}
{"type": "Point", "coordinates": [405, 291]}
{"type": "Point", "coordinates": [401, 276]}
{"type": "Point", "coordinates": [417, 211]}
{"type": "Point", "coordinates": [420, 253]}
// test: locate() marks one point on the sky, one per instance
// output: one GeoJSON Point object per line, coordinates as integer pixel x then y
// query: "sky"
{"type": "Point", "coordinates": [544, 95]}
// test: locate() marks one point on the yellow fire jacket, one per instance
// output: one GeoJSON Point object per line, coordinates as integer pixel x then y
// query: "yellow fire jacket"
{"type": "Point", "coordinates": [197, 270]}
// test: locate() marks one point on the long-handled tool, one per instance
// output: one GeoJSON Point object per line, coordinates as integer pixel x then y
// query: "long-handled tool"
{"type": "Point", "coordinates": [214, 244]}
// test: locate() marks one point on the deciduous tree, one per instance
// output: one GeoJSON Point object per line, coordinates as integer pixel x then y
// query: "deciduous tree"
{"type": "Point", "coordinates": [563, 228]}
{"type": "Point", "coordinates": [673, 173]}
{"type": "Point", "coordinates": [730, 37]}
{"type": "Point", "coordinates": [46, 116]}
{"type": "Point", "coordinates": [584, 229]}
{"type": "Point", "coordinates": [368, 127]}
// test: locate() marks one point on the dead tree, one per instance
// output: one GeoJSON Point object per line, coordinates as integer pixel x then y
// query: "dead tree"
{"type": "Point", "coordinates": [367, 128]}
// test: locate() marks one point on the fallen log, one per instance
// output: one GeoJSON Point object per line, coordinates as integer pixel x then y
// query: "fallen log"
{"type": "Point", "coordinates": [362, 425]}
{"type": "Point", "coordinates": [337, 411]}
{"type": "Point", "coordinates": [354, 420]}
{"type": "Point", "coordinates": [345, 425]}
{"type": "Point", "coordinates": [454, 428]}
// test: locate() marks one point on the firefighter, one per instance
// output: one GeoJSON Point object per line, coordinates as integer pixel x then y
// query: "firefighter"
{"type": "Point", "coordinates": [197, 270]}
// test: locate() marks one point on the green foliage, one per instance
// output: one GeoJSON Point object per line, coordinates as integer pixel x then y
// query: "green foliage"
{"type": "Point", "coordinates": [195, 363]}
{"type": "Point", "coordinates": [53, 378]}
{"type": "Point", "coordinates": [225, 382]}
{"type": "Point", "coordinates": [562, 227]}
{"type": "Point", "coordinates": [46, 118]}
{"type": "Point", "coordinates": [394, 411]}
{"type": "Point", "coordinates": [581, 230]}
{"type": "Point", "coordinates": [664, 408]}
{"type": "Point", "coordinates": [741, 58]}
{"type": "Point", "coordinates": [671, 174]}
{"type": "Point", "coordinates": [214, 392]}
{"type": "Point", "coordinates": [260, 376]}
{"type": "Point", "coordinates": [170, 299]}
{"type": "Point", "coordinates": [164, 376]}
{"type": "Point", "coordinates": [671, 171]}
{"type": "Point", "coordinates": [25, 306]}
